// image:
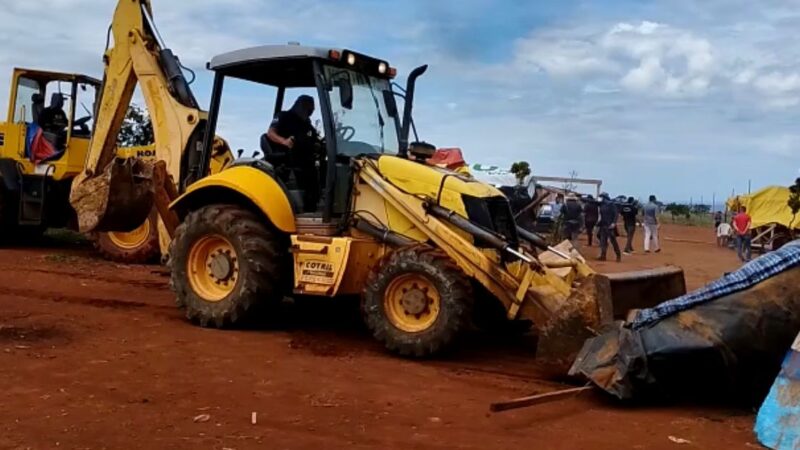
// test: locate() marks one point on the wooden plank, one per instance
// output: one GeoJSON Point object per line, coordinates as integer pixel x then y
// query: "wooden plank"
{"type": "Point", "coordinates": [537, 399]}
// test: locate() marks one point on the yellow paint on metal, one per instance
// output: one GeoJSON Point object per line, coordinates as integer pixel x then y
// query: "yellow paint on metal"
{"type": "Point", "coordinates": [363, 256]}
{"type": "Point", "coordinates": [132, 239]}
{"type": "Point", "coordinates": [421, 179]}
{"type": "Point", "coordinates": [319, 263]}
{"type": "Point", "coordinates": [412, 302]}
{"type": "Point", "coordinates": [212, 268]}
{"type": "Point", "coordinates": [253, 184]}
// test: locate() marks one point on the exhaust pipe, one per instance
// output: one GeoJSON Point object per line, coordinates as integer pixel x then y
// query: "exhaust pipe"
{"type": "Point", "coordinates": [408, 105]}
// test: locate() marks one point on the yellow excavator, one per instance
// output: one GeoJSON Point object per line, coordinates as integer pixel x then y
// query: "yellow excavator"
{"type": "Point", "coordinates": [43, 147]}
{"type": "Point", "coordinates": [419, 243]}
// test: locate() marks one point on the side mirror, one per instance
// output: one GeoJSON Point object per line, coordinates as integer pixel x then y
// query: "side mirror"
{"type": "Point", "coordinates": [345, 93]}
{"type": "Point", "coordinates": [391, 106]}
{"type": "Point", "coordinates": [239, 153]}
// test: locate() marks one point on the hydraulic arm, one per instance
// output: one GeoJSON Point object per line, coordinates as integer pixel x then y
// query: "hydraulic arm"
{"type": "Point", "coordinates": [115, 194]}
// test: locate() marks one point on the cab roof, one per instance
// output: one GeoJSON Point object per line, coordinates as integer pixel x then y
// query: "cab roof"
{"type": "Point", "coordinates": [266, 53]}
{"type": "Point", "coordinates": [287, 65]}
{"type": "Point", "coordinates": [45, 75]}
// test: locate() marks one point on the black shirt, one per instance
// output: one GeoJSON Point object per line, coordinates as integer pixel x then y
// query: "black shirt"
{"type": "Point", "coordinates": [289, 124]}
{"type": "Point", "coordinates": [590, 211]}
{"type": "Point", "coordinates": [629, 212]}
{"type": "Point", "coordinates": [608, 214]}
{"type": "Point", "coordinates": [572, 212]}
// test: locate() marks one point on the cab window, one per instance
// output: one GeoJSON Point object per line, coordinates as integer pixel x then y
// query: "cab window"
{"type": "Point", "coordinates": [24, 104]}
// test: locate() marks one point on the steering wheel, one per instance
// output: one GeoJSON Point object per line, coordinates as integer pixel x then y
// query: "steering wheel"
{"type": "Point", "coordinates": [346, 133]}
{"type": "Point", "coordinates": [81, 124]}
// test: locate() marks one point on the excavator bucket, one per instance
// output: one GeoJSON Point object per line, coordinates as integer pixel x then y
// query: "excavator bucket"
{"type": "Point", "coordinates": [119, 199]}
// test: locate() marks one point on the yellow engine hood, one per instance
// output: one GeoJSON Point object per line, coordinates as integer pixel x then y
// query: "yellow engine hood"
{"type": "Point", "coordinates": [420, 179]}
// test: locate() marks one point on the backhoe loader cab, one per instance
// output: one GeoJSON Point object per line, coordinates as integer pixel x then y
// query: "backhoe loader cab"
{"type": "Point", "coordinates": [43, 144]}
{"type": "Point", "coordinates": [356, 104]}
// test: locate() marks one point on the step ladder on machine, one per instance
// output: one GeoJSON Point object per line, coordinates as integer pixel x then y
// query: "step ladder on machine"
{"type": "Point", "coordinates": [32, 193]}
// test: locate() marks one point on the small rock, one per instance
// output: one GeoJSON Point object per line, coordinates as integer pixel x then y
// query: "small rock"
{"type": "Point", "coordinates": [434, 419]}
{"type": "Point", "coordinates": [678, 440]}
{"type": "Point", "coordinates": [202, 418]}
{"type": "Point", "coordinates": [253, 418]}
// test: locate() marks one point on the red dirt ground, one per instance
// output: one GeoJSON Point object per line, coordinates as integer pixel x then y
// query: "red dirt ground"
{"type": "Point", "coordinates": [95, 355]}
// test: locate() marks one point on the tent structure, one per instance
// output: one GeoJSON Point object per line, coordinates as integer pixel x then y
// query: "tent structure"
{"type": "Point", "coordinates": [767, 206]}
{"type": "Point", "coordinates": [772, 217]}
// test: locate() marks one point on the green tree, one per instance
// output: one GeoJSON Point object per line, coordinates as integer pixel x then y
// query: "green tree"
{"type": "Point", "coordinates": [137, 129]}
{"type": "Point", "coordinates": [521, 171]}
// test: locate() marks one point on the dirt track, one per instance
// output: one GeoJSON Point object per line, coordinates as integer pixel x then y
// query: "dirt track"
{"type": "Point", "coordinates": [94, 355]}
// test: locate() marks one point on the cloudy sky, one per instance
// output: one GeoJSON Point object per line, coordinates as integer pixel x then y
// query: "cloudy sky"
{"type": "Point", "coordinates": [679, 98]}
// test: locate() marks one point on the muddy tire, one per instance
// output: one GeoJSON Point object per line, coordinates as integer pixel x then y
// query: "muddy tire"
{"type": "Point", "coordinates": [227, 263]}
{"type": "Point", "coordinates": [417, 301]}
{"type": "Point", "coordinates": [139, 246]}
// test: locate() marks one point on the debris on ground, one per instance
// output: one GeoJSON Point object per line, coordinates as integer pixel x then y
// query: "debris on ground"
{"type": "Point", "coordinates": [778, 420]}
{"type": "Point", "coordinates": [726, 338]}
{"type": "Point", "coordinates": [537, 399]}
{"type": "Point", "coordinates": [202, 418]}
{"type": "Point", "coordinates": [678, 440]}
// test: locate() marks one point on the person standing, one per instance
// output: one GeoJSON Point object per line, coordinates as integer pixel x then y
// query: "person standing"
{"type": "Point", "coordinates": [607, 226]}
{"type": "Point", "coordinates": [717, 219]}
{"type": "Point", "coordinates": [741, 226]}
{"type": "Point", "coordinates": [650, 212]}
{"type": "Point", "coordinates": [629, 212]}
{"type": "Point", "coordinates": [571, 215]}
{"type": "Point", "coordinates": [591, 215]}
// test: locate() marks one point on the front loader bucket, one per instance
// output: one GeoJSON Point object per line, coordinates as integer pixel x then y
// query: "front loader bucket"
{"type": "Point", "coordinates": [582, 316]}
{"type": "Point", "coordinates": [119, 199]}
{"type": "Point", "coordinates": [645, 288]}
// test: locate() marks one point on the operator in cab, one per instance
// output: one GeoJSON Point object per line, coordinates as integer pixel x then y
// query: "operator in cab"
{"type": "Point", "coordinates": [291, 132]}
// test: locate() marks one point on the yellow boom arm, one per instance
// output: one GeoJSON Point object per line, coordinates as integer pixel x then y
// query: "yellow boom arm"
{"type": "Point", "coordinates": [114, 194]}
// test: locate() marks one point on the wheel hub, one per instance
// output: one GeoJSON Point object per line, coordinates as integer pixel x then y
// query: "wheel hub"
{"type": "Point", "coordinates": [221, 266]}
{"type": "Point", "coordinates": [414, 301]}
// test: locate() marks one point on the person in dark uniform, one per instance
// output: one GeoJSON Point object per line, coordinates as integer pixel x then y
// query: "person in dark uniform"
{"type": "Point", "coordinates": [628, 213]}
{"type": "Point", "coordinates": [291, 132]}
{"type": "Point", "coordinates": [607, 227]}
{"type": "Point", "coordinates": [590, 217]}
{"type": "Point", "coordinates": [571, 219]}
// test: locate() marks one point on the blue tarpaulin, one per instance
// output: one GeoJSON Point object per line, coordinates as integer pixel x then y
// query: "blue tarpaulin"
{"type": "Point", "coordinates": [778, 421]}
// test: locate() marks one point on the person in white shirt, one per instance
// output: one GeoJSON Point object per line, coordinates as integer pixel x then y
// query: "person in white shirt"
{"type": "Point", "coordinates": [723, 234]}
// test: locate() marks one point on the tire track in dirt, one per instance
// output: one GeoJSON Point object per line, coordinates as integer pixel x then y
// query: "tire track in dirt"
{"type": "Point", "coordinates": [96, 302]}
{"type": "Point", "coordinates": [147, 284]}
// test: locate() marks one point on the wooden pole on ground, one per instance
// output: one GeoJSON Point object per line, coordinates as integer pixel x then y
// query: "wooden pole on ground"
{"type": "Point", "coordinates": [537, 399]}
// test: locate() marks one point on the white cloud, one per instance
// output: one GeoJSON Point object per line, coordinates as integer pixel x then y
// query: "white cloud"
{"type": "Point", "coordinates": [648, 57]}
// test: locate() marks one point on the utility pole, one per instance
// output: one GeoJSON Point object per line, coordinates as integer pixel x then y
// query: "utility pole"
{"type": "Point", "coordinates": [748, 186]}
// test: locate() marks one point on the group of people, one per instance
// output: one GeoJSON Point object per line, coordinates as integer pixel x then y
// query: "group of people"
{"type": "Point", "coordinates": [603, 214]}
{"type": "Point", "coordinates": [740, 227]}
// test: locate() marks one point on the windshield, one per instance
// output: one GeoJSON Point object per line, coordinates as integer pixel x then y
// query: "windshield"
{"type": "Point", "coordinates": [366, 126]}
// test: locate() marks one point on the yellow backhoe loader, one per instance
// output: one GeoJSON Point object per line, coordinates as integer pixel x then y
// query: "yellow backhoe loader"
{"type": "Point", "coordinates": [418, 243]}
{"type": "Point", "coordinates": [43, 147]}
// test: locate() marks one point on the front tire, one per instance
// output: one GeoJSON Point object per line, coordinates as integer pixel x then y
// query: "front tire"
{"type": "Point", "coordinates": [225, 263]}
{"type": "Point", "coordinates": [417, 301]}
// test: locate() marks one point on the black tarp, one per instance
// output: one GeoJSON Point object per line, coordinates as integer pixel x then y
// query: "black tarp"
{"type": "Point", "coordinates": [731, 347]}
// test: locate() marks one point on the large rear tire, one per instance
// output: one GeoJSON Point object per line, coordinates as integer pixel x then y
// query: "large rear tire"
{"type": "Point", "coordinates": [417, 301]}
{"type": "Point", "coordinates": [225, 263]}
{"type": "Point", "coordinates": [139, 246]}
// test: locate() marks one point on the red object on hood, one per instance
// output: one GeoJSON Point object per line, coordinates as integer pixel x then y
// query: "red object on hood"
{"type": "Point", "coordinates": [450, 158]}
